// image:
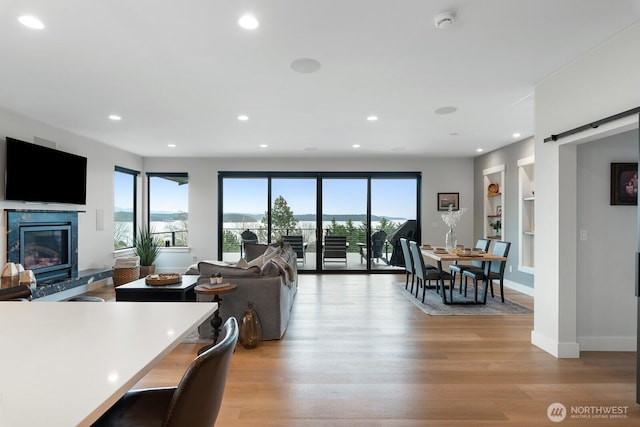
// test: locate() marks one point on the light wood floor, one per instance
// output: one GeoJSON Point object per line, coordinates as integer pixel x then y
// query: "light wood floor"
{"type": "Point", "coordinates": [357, 353]}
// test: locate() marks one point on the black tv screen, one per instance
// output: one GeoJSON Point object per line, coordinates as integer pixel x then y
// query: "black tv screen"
{"type": "Point", "coordinates": [35, 173]}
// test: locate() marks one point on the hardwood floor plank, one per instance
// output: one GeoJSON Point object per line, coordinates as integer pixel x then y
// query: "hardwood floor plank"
{"type": "Point", "coordinates": [358, 353]}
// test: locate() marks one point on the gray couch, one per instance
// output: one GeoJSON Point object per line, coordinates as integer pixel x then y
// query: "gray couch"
{"type": "Point", "coordinates": [267, 277]}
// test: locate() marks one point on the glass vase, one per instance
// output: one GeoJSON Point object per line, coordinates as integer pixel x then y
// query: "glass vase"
{"type": "Point", "coordinates": [250, 331]}
{"type": "Point", "coordinates": [450, 239]}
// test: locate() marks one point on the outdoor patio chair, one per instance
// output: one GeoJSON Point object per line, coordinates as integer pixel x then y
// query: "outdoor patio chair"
{"type": "Point", "coordinates": [247, 236]}
{"type": "Point", "coordinates": [298, 245]}
{"type": "Point", "coordinates": [334, 249]}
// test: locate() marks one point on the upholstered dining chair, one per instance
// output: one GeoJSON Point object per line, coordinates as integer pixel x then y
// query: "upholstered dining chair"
{"type": "Point", "coordinates": [408, 263]}
{"type": "Point", "coordinates": [483, 245]}
{"type": "Point", "coordinates": [494, 272]}
{"type": "Point", "coordinates": [195, 402]}
{"type": "Point", "coordinates": [426, 273]}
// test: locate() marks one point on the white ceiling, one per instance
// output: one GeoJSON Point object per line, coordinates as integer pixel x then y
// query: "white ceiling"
{"type": "Point", "coordinates": [182, 71]}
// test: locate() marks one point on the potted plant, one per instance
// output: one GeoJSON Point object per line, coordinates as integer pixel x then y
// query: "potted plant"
{"type": "Point", "coordinates": [147, 247]}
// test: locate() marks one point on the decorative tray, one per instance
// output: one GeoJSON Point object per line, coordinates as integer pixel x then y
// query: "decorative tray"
{"type": "Point", "coordinates": [493, 189]}
{"type": "Point", "coordinates": [162, 279]}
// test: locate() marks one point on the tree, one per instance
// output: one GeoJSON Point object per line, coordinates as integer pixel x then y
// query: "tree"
{"type": "Point", "coordinates": [282, 219]}
{"type": "Point", "coordinates": [230, 242]}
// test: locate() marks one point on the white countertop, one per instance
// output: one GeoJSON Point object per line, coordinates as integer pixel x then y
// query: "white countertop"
{"type": "Point", "coordinates": [65, 363]}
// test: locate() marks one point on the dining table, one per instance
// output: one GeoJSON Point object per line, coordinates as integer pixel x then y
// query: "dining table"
{"type": "Point", "coordinates": [65, 363]}
{"type": "Point", "coordinates": [433, 255]}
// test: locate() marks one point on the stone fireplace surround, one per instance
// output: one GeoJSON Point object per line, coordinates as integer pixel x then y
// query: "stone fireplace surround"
{"type": "Point", "coordinates": [70, 277]}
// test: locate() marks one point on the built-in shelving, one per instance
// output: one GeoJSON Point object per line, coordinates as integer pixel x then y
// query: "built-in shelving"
{"type": "Point", "coordinates": [526, 214]}
{"type": "Point", "coordinates": [494, 201]}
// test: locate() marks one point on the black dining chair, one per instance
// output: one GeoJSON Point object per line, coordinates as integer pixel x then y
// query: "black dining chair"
{"type": "Point", "coordinates": [426, 273]}
{"type": "Point", "coordinates": [196, 400]}
{"type": "Point", "coordinates": [494, 272]}
{"type": "Point", "coordinates": [456, 268]}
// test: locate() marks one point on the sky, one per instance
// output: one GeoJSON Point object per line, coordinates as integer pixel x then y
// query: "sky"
{"type": "Point", "coordinates": [392, 198]}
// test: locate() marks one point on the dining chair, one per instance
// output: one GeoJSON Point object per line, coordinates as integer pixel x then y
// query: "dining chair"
{"type": "Point", "coordinates": [456, 268]}
{"type": "Point", "coordinates": [408, 263]}
{"type": "Point", "coordinates": [426, 273]}
{"type": "Point", "coordinates": [495, 271]}
{"type": "Point", "coordinates": [194, 402]}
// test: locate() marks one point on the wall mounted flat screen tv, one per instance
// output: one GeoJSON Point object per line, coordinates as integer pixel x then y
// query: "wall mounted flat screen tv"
{"type": "Point", "coordinates": [34, 173]}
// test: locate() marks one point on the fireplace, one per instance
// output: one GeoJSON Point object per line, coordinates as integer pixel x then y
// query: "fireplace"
{"type": "Point", "coordinates": [45, 242]}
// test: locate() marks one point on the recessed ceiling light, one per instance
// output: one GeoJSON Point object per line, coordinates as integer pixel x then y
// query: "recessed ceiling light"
{"type": "Point", "coordinates": [248, 22]}
{"type": "Point", "coordinates": [446, 110]}
{"type": "Point", "coordinates": [516, 135]}
{"type": "Point", "coordinates": [372, 118]}
{"type": "Point", "coordinates": [115, 117]}
{"type": "Point", "coordinates": [444, 20]}
{"type": "Point", "coordinates": [243, 117]}
{"type": "Point", "coordinates": [171, 145]}
{"type": "Point", "coordinates": [305, 65]}
{"type": "Point", "coordinates": [356, 145]}
{"type": "Point", "coordinates": [263, 145]}
{"type": "Point", "coordinates": [479, 150]}
{"type": "Point", "coordinates": [31, 22]}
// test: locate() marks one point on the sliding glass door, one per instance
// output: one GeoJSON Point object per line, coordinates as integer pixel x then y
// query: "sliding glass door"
{"type": "Point", "coordinates": [337, 222]}
{"type": "Point", "coordinates": [344, 214]}
{"type": "Point", "coordinates": [293, 213]}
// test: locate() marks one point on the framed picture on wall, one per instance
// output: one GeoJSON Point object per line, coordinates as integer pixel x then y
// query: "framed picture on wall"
{"type": "Point", "coordinates": [624, 184]}
{"type": "Point", "coordinates": [448, 199]}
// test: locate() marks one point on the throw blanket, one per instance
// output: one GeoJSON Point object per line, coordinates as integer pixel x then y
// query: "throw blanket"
{"type": "Point", "coordinates": [285, 268]}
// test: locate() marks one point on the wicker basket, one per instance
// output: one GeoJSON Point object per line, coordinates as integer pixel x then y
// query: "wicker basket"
{"type": "Point", "coordinates": [122, 275]}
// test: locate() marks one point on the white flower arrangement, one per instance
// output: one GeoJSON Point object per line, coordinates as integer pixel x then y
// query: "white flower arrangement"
{"type": "Point", "coordinates": [452, 217]}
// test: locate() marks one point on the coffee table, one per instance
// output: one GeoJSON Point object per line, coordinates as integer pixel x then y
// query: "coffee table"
{"type": "Point", "coordinates": [138, 290]}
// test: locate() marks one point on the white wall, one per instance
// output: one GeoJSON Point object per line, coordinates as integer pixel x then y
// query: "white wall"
{"type": "Point", "coordinates": [95, 248]}
{"type": "Point", "coordinates": [606, 309]}
{"type": "Point", "coordinates": [601, 84]}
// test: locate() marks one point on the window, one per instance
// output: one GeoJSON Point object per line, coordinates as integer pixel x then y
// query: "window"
{"type": "Point", "coordinates": [124, 207]}
{"type": "Point", "coordinates": [169, 207]}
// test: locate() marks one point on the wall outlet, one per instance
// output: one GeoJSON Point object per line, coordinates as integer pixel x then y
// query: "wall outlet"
{"type": "Point", "coordinates": [583, 234]}
{"type": "Point", "coordinates": [511, 269]}
{"type": "Point", "coordinates": [194, 258]}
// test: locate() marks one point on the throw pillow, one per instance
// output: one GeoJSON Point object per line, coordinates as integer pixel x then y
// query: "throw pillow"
{"type": "Point", "coordinates": [254, 250]}
{"type": "Point", "coordinates": [242, 263]}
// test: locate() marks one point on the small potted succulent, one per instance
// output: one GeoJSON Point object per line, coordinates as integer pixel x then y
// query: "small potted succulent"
{"type": "Point", "coordinates": [215, 278]}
